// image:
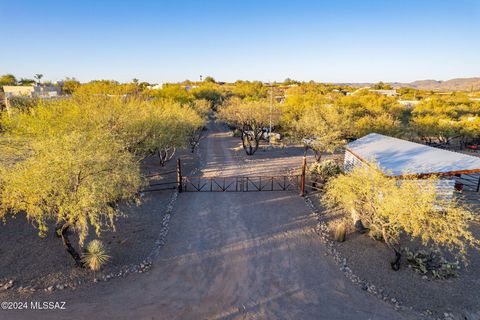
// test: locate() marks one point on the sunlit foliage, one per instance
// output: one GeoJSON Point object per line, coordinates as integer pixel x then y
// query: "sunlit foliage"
{"type": "Point", "coordinates": [390, 208]}
{"type": "Point", "coordinates": [71, 161]}
{"type": "Point", "coordinates": [251, 118]}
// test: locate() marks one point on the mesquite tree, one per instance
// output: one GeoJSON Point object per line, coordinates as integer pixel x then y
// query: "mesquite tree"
{"type": "Point", "coordinates": [251, 118]}
{"type": "Point", "coordinates": [389, 208]}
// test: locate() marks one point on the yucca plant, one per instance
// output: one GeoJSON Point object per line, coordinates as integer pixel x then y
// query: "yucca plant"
{"type": "Point", "coordinates": [340, 232]}
{"type": "Point", "coordinates": [95, 256]}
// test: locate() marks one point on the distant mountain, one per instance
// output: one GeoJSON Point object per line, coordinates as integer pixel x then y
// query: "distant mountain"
{"type": "Point", "coordinates": [458, 84]}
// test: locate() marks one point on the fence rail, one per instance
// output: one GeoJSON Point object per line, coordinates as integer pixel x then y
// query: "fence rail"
{"type": "Point", "coordinates": [240, 183]}
{"type": "Point", "coordinates": [290, 182]}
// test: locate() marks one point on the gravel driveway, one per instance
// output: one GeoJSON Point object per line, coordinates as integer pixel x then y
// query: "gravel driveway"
{"type": "Point", "coordinates": [229, 256]}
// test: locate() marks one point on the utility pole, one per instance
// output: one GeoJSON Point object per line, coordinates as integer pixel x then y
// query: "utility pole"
{"type": "Point", "coordinates": [271, 110]}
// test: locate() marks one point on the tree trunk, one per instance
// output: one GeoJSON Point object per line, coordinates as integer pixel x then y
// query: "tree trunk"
{"type": "Point", "coordinates": [247, 143]}
{"type": "Point", "coordinates": [68, 246]}
{"type": "Point", "coordinates": [398, 255]}
{"type": "Point", "coordinates": [164, 156]}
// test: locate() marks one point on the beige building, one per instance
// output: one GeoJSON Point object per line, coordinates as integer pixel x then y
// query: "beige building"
{"type": "Point", "coordinates": [31, 91]}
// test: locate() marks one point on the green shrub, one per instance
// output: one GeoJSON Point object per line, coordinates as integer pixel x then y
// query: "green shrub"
{"type": "Point", "coordinates": [322, 171]}
{"type": "Point", "coordinates": [431, 262]}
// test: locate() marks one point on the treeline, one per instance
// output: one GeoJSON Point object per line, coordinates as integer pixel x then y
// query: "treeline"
{"type": "Point", "coordinates": [326, 117]}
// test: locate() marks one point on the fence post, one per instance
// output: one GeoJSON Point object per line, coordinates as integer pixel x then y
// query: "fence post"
{"type": "Point", "coordinates": [302, 178]}
{"type": "Point", "coordinates": [179, 176]}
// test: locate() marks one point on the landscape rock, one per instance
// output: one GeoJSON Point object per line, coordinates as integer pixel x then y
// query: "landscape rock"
{"type": "Point", "coordinates": [7, 285]}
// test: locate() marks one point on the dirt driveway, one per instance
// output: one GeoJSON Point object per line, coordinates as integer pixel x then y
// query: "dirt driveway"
{"type": "Point", "coordinates": [229, 256]}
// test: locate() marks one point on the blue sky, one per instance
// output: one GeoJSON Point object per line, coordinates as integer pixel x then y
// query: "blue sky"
{"type": "Point", "coordinates": [160, 41]}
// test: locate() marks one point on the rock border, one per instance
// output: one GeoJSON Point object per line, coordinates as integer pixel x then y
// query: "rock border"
{"type": "Point", "coordinates": [122, 271]}
{"type": "Point", "coordinates": [323, 230]}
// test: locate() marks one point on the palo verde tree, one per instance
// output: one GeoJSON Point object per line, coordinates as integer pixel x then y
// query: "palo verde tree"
{"type": "Point", "coordinates": [211, 92]}
{"type": "Point", "coordinates": [174, 127]}
{"type": "Point", "coordinates": [442, 119]}
{"type": "Point", "coordinates": [389, 208]}
{"type": "Point", "coordinates": [320, 128]}
{"type": "Point", "coordinates": [71, 161]}
{"type": "Point", "coordinates": [250, 118]}
{"type": "Point", "coordinates": [73, 180]}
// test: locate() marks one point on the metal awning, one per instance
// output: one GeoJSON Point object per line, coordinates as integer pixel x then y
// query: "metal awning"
{"type": "Point", "coordinates": [398, 157]}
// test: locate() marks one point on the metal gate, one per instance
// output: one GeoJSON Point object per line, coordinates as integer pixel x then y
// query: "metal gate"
{"type": "Point", "coordinates": [240, 184]}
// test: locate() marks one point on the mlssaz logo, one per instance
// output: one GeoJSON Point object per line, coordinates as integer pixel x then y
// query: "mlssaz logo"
{"type": "Point", "coordinates": [47, 305]}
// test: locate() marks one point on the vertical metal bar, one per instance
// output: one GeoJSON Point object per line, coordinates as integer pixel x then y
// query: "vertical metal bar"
{"type": "Point", "coordinates": [272, 183]}
{"type": "Point", "coordinates": [260, 184]}
{"type": "Point", "coordinates": [211, 184]}
{"type": "Point", "coordinates": [179, 176]}
{"type": "Point", "coordinates": [302, 180]}
{"type": "Point", "coordinates": [478, 185]}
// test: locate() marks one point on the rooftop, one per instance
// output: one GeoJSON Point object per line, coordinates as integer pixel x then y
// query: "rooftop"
{"type": "Point", "coordinates": [399, 157]}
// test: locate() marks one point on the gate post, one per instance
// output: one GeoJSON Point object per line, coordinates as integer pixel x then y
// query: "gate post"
{"type": "Point", "coordinates": [302, 178]}
{"type": "Point", "coordinates": [179, 176]}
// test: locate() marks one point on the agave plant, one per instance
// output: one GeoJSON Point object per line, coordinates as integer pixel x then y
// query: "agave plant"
{"type": "Point", "coordinates": [95, 255]}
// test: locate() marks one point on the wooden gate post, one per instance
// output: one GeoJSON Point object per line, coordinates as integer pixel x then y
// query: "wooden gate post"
{"type": "Point", "coordinates": [179, 176]}
{"type": "Point", "coordinates": [302, 178]}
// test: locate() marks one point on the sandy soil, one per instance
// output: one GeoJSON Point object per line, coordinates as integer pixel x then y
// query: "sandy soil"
{"type": "Point", "coordinates": [250, 255]}
{"type": "Point", "coordinates": [369, 259]}
{"type": "Point", "coordinates": [37, 262]}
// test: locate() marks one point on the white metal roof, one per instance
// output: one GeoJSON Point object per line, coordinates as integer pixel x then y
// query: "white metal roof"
{"type": "Point", "coordinates": [398, 157]}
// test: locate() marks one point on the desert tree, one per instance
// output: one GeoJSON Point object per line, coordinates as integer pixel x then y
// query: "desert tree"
{"type": "Point", "coordinates": [173, 92]}
{"type": "Point", "coordinates": [8, 80]}
{"type": "Point", "coordinates": [72, 161]}
{"type": "Point", "coordinates": [74, 180]}
{"type": "Point", "coordinates": [389, 208]}
{"type": "Point", "coordinates": [70, 85]}
{"type": "Point", "coordinates": [255, 90]}
{"type": "Point", "coordinates": [250, 118]}
{"type": "Point", "coordinates": [174, 128]}
{"type": "Point", "coordinates": [210, 92]}
{"type": "Point", "coordinates": [321, 130]}
{"type": "Point", "coordinates": [443, 119]}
